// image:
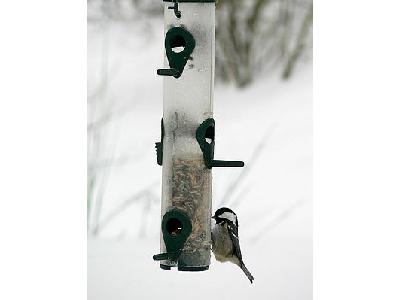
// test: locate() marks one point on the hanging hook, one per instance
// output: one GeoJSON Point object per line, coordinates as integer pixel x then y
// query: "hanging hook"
{"type": "Point", "coordinates": [178, 14]}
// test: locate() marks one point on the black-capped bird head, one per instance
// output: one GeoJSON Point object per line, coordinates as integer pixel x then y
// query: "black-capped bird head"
{"type": "Point", "coordinates": [225, 214]}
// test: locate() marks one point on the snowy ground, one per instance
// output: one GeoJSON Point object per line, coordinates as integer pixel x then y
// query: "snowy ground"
{"type": "Point", "coordinates": [269, 126]}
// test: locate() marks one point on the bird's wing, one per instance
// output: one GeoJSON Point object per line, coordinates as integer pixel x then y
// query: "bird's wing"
{"type": "Point", "coordinates": [234, 234]}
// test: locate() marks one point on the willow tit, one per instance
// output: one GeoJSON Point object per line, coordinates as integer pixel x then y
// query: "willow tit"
{"type": "Point", "coordinates": [225, 239]}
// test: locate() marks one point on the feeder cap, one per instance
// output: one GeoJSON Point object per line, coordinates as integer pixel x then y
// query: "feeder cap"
{"type": "Point", "coordinates": [193, 1]}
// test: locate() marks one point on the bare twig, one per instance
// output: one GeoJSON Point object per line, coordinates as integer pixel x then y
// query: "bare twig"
{"type": "Point", "coordinates": [238, 199]}
{"type": "Point", "coordinates": [144, 193]}
{"type": "Point", "coordinates": [283, 215]}
{"type": "Point", "coordinates": [300, 43]}
{"type": "Point", "coordinates": [147, 206]}
{"type": "Point", "coordinates": [95, 139]}
{"type": "Point", "coordinates": [232, 187]}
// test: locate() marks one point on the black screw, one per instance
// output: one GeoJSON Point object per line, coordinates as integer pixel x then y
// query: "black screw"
{"type": "Point", "coordinates": [178, 14]}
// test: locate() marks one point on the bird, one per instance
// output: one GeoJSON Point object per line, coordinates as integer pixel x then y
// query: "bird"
{"type": "Point", "coordinates": [225, 239]}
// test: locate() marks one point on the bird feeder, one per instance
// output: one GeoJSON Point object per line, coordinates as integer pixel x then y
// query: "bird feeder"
{"type": "Point", "coordinates": [186, 149]}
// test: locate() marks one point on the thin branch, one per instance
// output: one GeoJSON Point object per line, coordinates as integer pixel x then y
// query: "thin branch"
{"type": "Point", "coordinates": [124, 205]}
{"type": "Point", "coordinates": [254, 16]}
{"type": "Point", "coordinates": [232, 187]}
{"type": "Point", "coordinates": [238, 199]}
{"type": "Point", "coordinates": [282, 216]}
{"type": "Point", "coordinates": [300, 44]}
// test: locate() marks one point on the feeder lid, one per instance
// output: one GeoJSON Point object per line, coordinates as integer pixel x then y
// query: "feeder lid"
{"type": "Point", "coordinates": [194, 1]}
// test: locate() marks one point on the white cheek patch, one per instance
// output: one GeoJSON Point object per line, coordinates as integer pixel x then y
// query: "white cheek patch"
{"type": "Point", "coordinates": [229, 216]}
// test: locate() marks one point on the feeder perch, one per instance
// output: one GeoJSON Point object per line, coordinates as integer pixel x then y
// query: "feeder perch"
{"type": "Point", "coordinates": [186, 149]}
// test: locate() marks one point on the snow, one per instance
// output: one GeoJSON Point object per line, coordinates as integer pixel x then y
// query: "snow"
{"type": "Point", "coordinates": [268, 126]}
{"type": "Point", "coordinates": [125, 270]}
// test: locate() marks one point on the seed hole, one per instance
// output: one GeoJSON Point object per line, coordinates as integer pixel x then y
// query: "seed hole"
{"type": "Point", "coordinates": [174, 226]}
{"type": "Point", "coordinates": [177, 43]}
{"type": "Point", "coordinates": [210, 134]}
{"type": "Point", "coordinates": [178, 49]}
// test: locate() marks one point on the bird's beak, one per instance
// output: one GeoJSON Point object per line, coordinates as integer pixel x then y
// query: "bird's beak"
{"type": "Point", "coordinates": [213, 217]}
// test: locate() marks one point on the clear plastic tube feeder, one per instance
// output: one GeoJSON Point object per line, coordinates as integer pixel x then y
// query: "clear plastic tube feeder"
{"type": "Point", "coordinates": [186, 150]}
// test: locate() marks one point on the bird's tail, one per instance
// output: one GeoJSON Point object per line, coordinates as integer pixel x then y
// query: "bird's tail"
{"type": "Point", "coordinates": [246, 271]}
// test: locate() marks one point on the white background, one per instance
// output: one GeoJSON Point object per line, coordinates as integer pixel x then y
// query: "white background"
{"type": "Point", "coordinates": [43, 155]}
